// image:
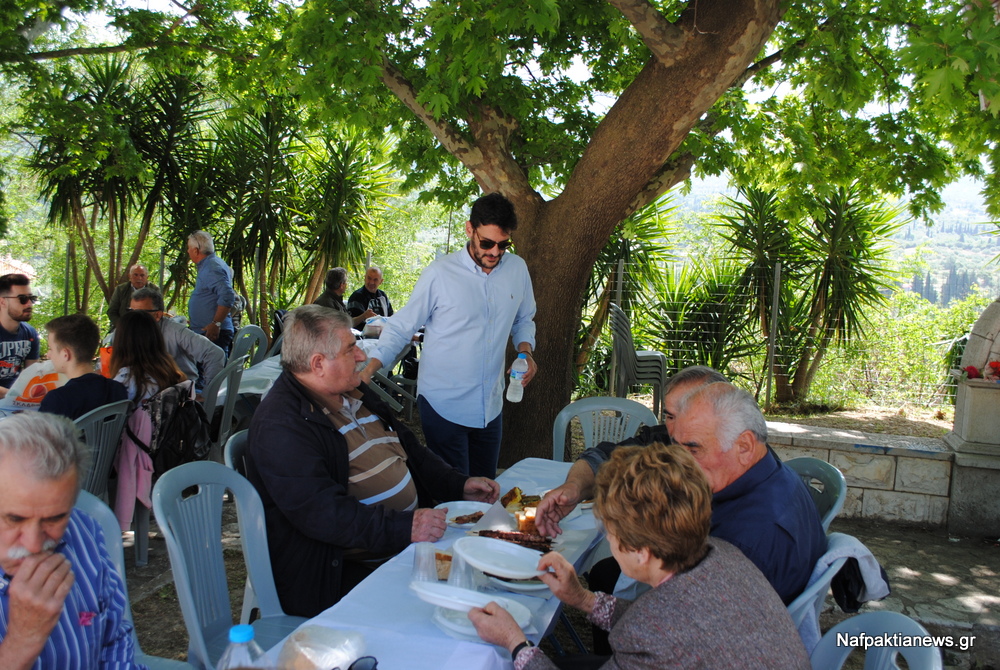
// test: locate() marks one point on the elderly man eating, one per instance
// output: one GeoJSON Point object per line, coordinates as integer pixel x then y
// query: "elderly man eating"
{"type": "Point", "coordinates": [344, 485]}
{"type": "Point", "coordinates": [62, 603]}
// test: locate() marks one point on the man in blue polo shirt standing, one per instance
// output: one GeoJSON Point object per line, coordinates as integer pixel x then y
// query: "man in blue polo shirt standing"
{"type": "Point", "coordinates": [469, 302]}
{"type": "Point", "coordinates": [213, 296]}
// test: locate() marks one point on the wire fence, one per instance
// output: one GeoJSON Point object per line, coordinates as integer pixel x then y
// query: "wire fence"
{"type": "Point", "coordinates": [900, 353]}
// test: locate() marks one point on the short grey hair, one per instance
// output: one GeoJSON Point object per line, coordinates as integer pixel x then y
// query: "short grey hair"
{"type": "Point", "coordinates": [202, 241]}
{"type": "Point", "coordinates": [335, 278]}
{"type": "Point", "coordinates": [309, 330]}
{"type": "Point", "coordinates": [701, 374]}
{"type": "Point", "coordinates": [735, 411]}
{"type": "Point", "coordinates": [50, 441]}
{"type": "Point", "coordinates": [147, 293]}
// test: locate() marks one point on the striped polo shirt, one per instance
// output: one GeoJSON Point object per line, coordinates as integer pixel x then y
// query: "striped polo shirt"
{"type": "Point", "coordinates": [378, 474]}
{"type": "Point", "coordinates": [92, 631]}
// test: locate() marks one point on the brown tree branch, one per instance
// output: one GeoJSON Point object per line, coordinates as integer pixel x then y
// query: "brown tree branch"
{"type": "Point", "coordinates": [672, 173]}
{"type": "Point", "coordinates": [663, 38]}
{"type": "Point", "coordinates": [402, 88]}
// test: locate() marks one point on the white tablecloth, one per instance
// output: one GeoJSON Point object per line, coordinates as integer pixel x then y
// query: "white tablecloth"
{"type": "Point", "coordinates": [397, 625]}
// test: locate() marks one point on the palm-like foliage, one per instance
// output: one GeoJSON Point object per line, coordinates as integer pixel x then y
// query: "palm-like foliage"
{"type": "Point", "coordinates": [761, 239]}
{"type": "Point", "coordinates": [111, 146]}
{"type": "Point", "coordinates": [348, 181]}
{"type": "Point", "coordinates": [847, 239]}
{"type": "Point", "coordinates": [701, 316]}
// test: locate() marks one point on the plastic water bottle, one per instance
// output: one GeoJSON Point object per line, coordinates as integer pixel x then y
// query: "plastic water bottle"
{"type": "Point", "coordinates": [242, 651]}
{"type": "Point", "coordinates": [515, 390]}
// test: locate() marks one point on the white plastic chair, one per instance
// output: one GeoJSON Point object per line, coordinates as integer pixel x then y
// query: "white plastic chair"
{"type": "Point", "coordinates": [95, 508]}
{"type": "Point", "coordinates": [603, 419]}
{"type": "Point", "coordinates": [832, 490]}
{"type": "Point", "coordinates": [830, 654]}
{"type": "Point", "coordinates": [275, 346]}
{"type": "Point", "coordinates": [192, 527]}
{"type": "Point", "coordinates": [249, 338]}
{"type": "Point", "coordinates": [811, 601]}
{"type": "Point", "coordinates": [102, 431]}
{"type": "Point", "coordinates": [231, 376]}
{"type": "Point", "coordinates": [235, 457]}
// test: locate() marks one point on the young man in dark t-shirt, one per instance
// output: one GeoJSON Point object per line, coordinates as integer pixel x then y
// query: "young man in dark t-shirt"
{"type": "Point", "coordinates": [73, 341]}
{"type": "Point", "coordinates": [18, 340]}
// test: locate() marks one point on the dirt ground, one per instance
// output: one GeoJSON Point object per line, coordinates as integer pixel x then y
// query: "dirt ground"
{"type": "Point", "coordinates": [160, 626]}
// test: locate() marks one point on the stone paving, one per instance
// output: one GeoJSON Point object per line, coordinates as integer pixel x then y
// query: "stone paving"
{"type": "Point", "coordinates": [949, 584]}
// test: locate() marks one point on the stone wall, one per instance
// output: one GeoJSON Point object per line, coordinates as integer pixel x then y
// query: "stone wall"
{"type": "Point", "coordinates": [888, 476]}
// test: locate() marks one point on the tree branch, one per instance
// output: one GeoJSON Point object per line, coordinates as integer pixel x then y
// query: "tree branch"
{"type": "Point", "coordinates": [663, 38]}
{"type": "Point", "coordinates": [672, 173]}
{"type": "Point", "coordinates": [447, 135]}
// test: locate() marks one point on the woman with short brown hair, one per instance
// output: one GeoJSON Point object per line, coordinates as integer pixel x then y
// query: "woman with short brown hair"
{"type": "Point", "coordinates": [709, 606]}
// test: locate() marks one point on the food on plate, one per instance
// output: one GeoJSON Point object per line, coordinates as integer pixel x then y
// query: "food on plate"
{"type": "Point", "coordinates": [512, 496]}
{"type": "Point", "coordinates": [514, 500]}
{"type": "Point", "coordinates": [467, 518]}
{"type": "Point", "coordinates": [529, 540]}
{"type": "Point", "coordinates": [442, 561]}
{"type": "Point", "coordinates": [526, 521]}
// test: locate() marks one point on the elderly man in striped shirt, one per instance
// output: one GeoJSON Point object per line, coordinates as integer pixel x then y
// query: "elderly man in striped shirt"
{"type": "Point", "coordinates": [344, 484]}
{"type": "Point", "coordinates": [62, 603]}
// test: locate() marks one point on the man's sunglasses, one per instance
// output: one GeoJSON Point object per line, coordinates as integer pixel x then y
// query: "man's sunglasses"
{"type": "Point", "coordinates": [486, 245]}
{"type": "Point", "coordinates": [23, 299]}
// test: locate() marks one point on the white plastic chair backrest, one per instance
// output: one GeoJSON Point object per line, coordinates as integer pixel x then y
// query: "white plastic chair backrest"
{"type": "Point", "coordinates": [275, 346]}
{"type": "Point", "coordinates": [102, 514]}
{"type": "Point", "coordinates": [250, 338]}
{"type": "Point", "coordinates": [815, 594]}
{"type": "Point", "coordinates": [102, 431]}
{"type": "Point", "coordinates": [830, 500]}
{"type": "Point", "coordinates": [603, 419]}
{"type": "Point", "coordinates": [830, 655]}
{"type": "Point", "coordinates": [192, 528]}
{"type": "Point", "coordinates": [235, 452]}
{"type": "Point", "coordinates": [231, 376]}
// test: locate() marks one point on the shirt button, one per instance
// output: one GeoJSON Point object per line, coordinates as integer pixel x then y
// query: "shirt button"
{"type": "Point", "coordinates": [335, 563]}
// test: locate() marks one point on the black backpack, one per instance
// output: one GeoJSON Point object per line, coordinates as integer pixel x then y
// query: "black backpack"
{"type": "Point", "coordinates": [181, 431]}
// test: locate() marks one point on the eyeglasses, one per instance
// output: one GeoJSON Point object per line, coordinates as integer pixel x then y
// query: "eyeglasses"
{"type": "Point", "coordinates": [365, 663]}
{"type": "Point", "coordinates": [23, 299]}
{"type": "Point", "coordinates": [486, 244]}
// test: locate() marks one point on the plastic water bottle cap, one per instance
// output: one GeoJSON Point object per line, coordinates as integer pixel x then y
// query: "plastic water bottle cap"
{"type": "Point", "coordinates": [240, 633]}
{"type": "Point", "coordinates": [522, 355]}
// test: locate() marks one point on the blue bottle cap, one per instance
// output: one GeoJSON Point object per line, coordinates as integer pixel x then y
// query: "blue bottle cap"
{"type": "Point", "coordinates": [241, 633]}
{"type": "Point", "coordinates": [522, 355]}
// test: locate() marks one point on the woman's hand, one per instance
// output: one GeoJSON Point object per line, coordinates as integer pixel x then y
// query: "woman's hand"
{"type": "Point", "coordinates": [496, 626]}
{"type": "Point", "coordinates": [563, 583]}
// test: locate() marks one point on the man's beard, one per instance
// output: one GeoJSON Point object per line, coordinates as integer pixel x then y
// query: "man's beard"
{"type": "Point", "coordinates": [17, 552]}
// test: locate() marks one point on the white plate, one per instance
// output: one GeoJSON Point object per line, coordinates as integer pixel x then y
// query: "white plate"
{"type": "Point", "coordinates": [461, 508]}
{"type": "Point", "coordinates": [459, 621]}
{"type": "Point", "coordinates": [497, 557]}
{"type": "Point", "coordinates": [449, 597]}
{"type": "Point", "coordinates": [440, 622]}
{"type": "Point", "coordinates": [533, 588]}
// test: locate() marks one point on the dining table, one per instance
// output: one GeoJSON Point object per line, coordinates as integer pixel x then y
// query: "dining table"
{"type": "Point", "coordinates": [398, 626]}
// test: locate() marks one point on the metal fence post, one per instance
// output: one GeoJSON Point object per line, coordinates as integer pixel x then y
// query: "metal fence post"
{"type": "Point", "coordinates": [772, 334]}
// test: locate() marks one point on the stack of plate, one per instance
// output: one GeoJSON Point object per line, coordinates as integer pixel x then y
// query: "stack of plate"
{"type": "Point", "coordinates": [453, 604]}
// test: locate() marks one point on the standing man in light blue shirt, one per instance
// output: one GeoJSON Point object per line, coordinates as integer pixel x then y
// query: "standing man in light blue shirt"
{"type": "Point", "coordinates": [469, 303]}
{"type": "Point", "coordinates": [213, 296]}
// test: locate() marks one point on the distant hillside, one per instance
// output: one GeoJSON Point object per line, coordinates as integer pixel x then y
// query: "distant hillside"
{"type": "Point", "coordinates": [940, 261]}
